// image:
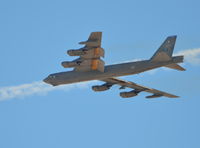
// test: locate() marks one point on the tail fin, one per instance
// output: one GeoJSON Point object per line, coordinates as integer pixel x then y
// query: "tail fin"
{"type": "Point", "coordinates": [164, 53]}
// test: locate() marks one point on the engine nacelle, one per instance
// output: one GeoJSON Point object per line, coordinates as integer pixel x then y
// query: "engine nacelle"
{"type": "Point", "coordinates": [76, 52]}
{"type": "Point", "coordinates": [100, 87]}
{"type": "Point", "coordinates": [87, 53]}
{"type": "Point", "coordinates": [128, 94]}
{"type": "Point", "coordinates": [70, 64]}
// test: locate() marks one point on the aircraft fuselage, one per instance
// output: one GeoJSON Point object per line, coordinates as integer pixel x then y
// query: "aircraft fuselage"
{"type": "Point", "coordinates": [115, 70]}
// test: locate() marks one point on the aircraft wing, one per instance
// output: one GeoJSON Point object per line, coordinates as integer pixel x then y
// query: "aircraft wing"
{"type": "Point", "coordinates": [89, 55]}
{"type": "Point", "coordinates": [137, 88]}
{"type": "Point", "coordinates": [94, 40]}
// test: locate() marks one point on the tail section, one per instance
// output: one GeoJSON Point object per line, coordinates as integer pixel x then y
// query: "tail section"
{"type": "Point", "coordinates": [164, 52]}
{"type": "Point", "coordinates": [176, 67]}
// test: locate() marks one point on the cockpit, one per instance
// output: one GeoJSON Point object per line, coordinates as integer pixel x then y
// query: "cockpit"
{"type": "Point", "coordinates": [52, 76]}
{"type": "Point", "coordinates": [50, 79]}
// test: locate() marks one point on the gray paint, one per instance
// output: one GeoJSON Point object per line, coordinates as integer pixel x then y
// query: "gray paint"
{"type": "Point", "coordinates": [116, 70]}
{"type": "Point", "coordinates": [86, 70]}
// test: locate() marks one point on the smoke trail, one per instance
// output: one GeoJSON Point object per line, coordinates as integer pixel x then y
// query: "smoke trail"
{"type": "Point", "coordinates": [34, 88]}
{"type": "Point", "coordinates": [191, 56]}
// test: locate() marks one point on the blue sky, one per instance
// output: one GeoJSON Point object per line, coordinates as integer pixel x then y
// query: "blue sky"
{"type": "Point", "coordinates": [35, 36]}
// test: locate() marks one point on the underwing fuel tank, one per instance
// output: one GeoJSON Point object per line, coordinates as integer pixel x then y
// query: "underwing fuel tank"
{"type": "Point", "coordinates": [128, 94]}
{"type": "Point", "coordinates": [154, 96]}
{"type": "Point", "coordinates": [70, 64]}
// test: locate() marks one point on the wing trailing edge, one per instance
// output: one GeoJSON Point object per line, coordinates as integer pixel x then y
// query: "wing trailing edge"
{"type": "Point", "coordinates": [137, 89]}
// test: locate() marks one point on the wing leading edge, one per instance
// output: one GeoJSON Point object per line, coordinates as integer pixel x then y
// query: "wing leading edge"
{"type": "Point", "coordinates": [137, 89]}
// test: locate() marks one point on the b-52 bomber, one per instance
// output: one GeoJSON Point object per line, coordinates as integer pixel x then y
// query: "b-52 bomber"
{"type": "Point", "coordinates": [90, 66]}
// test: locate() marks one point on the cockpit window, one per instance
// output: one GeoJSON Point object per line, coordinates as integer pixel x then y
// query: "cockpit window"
{"type": "Point", "coordinates": [52, 76]}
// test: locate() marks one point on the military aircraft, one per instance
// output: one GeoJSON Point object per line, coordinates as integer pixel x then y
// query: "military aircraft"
{"type": "Point", "coordinates": [90, 66]}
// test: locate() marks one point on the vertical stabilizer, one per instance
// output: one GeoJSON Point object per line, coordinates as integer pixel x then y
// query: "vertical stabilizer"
{"type": "Point", "coordinates": [165, 51]}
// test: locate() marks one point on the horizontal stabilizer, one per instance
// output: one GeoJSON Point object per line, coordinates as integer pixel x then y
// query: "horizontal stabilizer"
{"type": "Point", "coordinates": [176, 67]}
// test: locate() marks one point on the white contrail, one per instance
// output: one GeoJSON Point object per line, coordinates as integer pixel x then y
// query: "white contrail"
{"type": "Point", "coordinates": [192, 56]}
{"type": "Point", "coordinates": [39, 88]}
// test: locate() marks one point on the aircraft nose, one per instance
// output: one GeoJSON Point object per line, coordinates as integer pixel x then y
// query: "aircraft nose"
{"type": "Point", "coordinates": [46, 80]}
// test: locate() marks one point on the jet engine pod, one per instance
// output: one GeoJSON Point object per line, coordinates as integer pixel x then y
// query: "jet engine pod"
{"type": "Point", "coordinates": [76, 52]}
{"type": "Point", "coordinates": [132, 93]}
{"type": "Point", "coordinates": [70, 64]}
{"type": "Point", "coordinates": [100, 87]}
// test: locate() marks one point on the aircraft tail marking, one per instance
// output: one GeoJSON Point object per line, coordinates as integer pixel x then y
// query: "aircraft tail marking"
{"type": "Point", "coordinates": [165, 51]}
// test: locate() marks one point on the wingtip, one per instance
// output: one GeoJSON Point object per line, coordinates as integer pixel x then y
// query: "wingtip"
{"type": "Point", "coordinates": [175, 97]}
